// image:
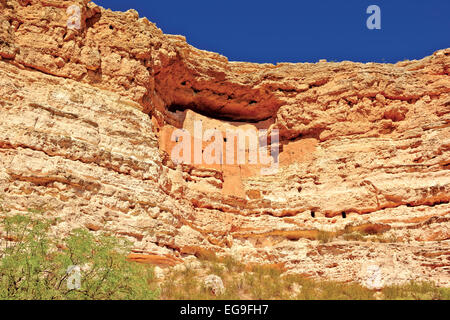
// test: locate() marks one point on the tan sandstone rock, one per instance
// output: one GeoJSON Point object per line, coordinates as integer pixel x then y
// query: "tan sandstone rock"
{"type": "Point", "coordinates": [87, 119]}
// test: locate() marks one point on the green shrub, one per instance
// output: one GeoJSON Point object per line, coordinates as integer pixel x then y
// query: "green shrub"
{"type": "Point", "coordinates": [32, 267]}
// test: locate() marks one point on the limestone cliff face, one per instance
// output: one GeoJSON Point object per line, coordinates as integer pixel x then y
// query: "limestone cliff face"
{"type": "Point", "coordinates": [87, 116]}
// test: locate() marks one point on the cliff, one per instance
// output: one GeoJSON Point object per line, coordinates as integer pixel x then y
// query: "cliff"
{"type": "Point", "coordinates": [85, 137]}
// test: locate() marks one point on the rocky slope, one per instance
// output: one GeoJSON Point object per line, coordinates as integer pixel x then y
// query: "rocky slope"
{"type": "Point", "coordinates": [87, 115]}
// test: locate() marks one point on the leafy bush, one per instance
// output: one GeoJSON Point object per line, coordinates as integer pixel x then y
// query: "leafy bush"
{"type": "Point", "coordinates": [32, 266]}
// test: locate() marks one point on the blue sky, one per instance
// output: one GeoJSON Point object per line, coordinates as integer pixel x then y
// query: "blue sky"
{"type": "Point", "coordinates": [301, 31]}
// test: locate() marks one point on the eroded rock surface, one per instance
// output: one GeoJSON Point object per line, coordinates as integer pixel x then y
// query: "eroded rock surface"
{"type": "Point", "coordinates": [364, 168]}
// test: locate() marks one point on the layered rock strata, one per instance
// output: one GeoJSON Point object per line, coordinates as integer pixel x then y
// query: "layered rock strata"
{"type": "Point", "coordinates": [87, 119]}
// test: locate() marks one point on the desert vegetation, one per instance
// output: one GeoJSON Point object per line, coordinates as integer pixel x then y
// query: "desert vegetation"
{"type": "Point", "coordinates": [33, 265]}
{"type": "Point", "coordinates": [267, 282]}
